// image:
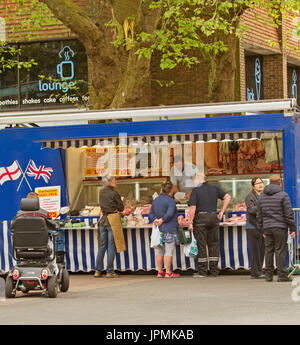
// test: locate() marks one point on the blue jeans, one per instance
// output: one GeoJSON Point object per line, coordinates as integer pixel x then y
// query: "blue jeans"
{"type": "Point", "coordinates": [107, 243]}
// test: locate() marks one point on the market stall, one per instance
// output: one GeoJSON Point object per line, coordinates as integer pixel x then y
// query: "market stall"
{"type": "Point", "coordinates": [81, 246]}
{"type": "Point", "coordinates": [247, 146]}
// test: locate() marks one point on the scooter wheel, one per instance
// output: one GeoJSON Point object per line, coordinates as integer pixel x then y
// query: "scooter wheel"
{"type": "Point", "coordinates": [9, 288]}
{"type": "Point", "coordinates": [52, 287]}
{"type": "Point", "coordinates": [65, 281]}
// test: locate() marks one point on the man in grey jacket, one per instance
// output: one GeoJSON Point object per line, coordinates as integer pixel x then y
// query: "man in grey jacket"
{"type": "Point", "coordinates": [275, 218]}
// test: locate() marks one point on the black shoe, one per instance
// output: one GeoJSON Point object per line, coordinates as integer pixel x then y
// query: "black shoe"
{"type": "Point", "coordinates": [262, 276]}
{"type": "Point", "coordinates": [285, 279]}
{"type": "Point", "coordinates": [269, 279]}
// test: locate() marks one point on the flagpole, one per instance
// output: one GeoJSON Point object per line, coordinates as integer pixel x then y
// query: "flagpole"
{"type": "Point", "coordinates": [24, 175]}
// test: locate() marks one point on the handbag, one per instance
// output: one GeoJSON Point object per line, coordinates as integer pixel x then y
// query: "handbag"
{"type": "Point", "coordinates": [184, 235]}
{"type": "Point", "coordinates": [191, 249]}
{"type": "Point", "coordinates": [156, 238]}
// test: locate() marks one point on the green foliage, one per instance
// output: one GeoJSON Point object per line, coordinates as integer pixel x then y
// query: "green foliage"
{"type": "Point", "coordinates": [36, 15]}
{"type": "Point", "coordinates": [190, 27]}
{"type": "Point", "coordinates": [9, 58]}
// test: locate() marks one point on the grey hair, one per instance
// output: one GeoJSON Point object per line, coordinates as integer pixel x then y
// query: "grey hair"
{"type": "Point", "coordinates": [106, 179]}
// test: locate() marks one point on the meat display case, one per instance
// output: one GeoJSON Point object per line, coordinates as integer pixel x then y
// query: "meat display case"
{"type": "Point", "coordinates": [134, 192]}
{"type": "Point", "coordinates": [237, 186]}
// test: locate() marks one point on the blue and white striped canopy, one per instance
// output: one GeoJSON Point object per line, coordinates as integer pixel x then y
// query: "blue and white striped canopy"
{"type": "Point", "coordinates": [127, 140]}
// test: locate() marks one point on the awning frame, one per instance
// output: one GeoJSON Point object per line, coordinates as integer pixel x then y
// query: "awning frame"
{"type": "Point", "coordinates": [161, 112]}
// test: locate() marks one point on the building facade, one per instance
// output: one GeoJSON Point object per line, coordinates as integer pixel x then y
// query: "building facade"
{"type": "Point", "coordinates": [267, 68]}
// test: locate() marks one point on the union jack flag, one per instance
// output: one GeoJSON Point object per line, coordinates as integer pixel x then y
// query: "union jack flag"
{"type": "Point", "coordinates": [37, 173]}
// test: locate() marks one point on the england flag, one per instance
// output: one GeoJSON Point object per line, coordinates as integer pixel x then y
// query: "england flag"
{"type": "Point", "coordinates": [11, 173]}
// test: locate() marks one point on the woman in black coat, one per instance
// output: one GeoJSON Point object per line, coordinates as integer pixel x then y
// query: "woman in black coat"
{"type": "Point", "coordinates": [257, 245]}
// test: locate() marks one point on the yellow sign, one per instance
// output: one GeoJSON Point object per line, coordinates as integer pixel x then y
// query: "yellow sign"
{"type": "Point", "coordinates": [116, 161]}
{"type": "Point", "coordinates": [49, 199]}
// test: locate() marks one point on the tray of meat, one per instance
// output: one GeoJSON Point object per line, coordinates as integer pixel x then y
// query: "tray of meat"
{"type": "Point", "coordinates": [241, 206]}
{"type": "Point", "coordinates": [235, 220]}
{"type": "Point", "coordinates": [127, 210]}
{"type": "Point", "coordinates": [145, 209]}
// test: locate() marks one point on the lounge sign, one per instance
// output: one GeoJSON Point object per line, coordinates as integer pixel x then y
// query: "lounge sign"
{"type": "Point", "coordinates": [59, 78]}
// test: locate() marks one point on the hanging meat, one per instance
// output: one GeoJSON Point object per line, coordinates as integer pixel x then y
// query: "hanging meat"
{"type": "Point", "coordinates": [242, 155]}
{"type": "Point", "coordinates": [211, 155]}
{"type": "Point", "coordinates": [234, 147]}
{"type": "Point", "coordinates": [224, 155]}
{"type": "Point", "coordinates": [260, 150]}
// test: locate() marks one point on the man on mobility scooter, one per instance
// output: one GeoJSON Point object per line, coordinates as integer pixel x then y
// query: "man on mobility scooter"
{"type": "Point", "coordinates": [34, 249]}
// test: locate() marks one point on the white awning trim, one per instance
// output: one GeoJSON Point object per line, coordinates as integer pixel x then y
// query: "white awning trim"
{"type": "Point", "coordinates": [62, 115]}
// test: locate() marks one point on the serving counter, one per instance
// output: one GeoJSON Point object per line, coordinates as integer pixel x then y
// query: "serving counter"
{"type": "Point", "coordinates": [81, 247]}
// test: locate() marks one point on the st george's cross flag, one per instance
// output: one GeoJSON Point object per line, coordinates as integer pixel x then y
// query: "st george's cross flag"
{"type": "Point", "coordinates": [11, 173]}
{"type": "Point", "coordinates": [39, 172]}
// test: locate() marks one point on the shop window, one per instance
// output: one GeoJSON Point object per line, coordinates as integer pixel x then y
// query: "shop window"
{"type": "Point", "coordinates": [58, 80]}
{"type": "Point", "coordinates": [293, 82]}
{"type": "Point", "coordinates": [254, 77]}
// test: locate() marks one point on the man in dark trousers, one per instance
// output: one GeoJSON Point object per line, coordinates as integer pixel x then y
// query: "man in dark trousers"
{"type": "Point", "coordinates": [275, 217]}
{"type": "Point", "coordinates": [110, 203]}
{"type": "Point", "coordinates": [204, 221]}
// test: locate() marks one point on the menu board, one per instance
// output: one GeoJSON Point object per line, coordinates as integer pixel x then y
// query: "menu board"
{"type": "Point", "coordinates": [96, 161]}
{"type": "Point", "coordinates": [115, 161]}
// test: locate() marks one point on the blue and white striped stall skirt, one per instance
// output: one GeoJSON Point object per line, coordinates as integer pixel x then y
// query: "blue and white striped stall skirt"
{"type": "Point", "coordinates": [81, 247]}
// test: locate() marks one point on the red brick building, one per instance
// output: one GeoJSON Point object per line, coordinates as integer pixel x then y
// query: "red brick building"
{"type": "Point", "coordinates": [268, 69]}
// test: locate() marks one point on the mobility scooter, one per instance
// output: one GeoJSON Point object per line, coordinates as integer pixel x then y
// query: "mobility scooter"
{"type": "Point", "coordinates": [34, 269]}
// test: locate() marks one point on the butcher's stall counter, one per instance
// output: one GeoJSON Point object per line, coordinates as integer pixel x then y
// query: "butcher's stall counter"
{"type": "Point", "coordinates": [81, 247]}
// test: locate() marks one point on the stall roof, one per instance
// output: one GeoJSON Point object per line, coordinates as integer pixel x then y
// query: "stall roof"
{"type": "Point", "coordinates": [56, 116]}
{"type": "Point", "coordinates": [204, 129]}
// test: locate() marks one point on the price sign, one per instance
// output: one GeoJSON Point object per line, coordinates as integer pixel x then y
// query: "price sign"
{"type": "Point", "coordinates": [96, 161]}
{"type": "Point", "coordinates": [49, 199]}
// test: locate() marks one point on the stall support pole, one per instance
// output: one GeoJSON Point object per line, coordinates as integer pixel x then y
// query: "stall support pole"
{"type": "Point", "coordinates": [65, 175]}
{"type": "Point", "coordinates": [278, 158]}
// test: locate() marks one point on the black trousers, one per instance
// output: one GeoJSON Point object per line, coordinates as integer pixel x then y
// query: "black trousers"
{"type": "Point", "coordinates": [257, 251]}
{"type": "Point", "coordinates": [275, 241]}
{"type": "Point", "coordinates": [206, 232]}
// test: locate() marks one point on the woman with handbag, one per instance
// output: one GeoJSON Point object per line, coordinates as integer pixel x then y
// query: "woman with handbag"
{"type": "Point", "coordinates": [163, 213]}
{"type": "Point", "coordinates": [257, 246]}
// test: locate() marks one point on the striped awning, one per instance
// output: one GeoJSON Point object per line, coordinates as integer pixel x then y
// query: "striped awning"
{"type": "Point", "coordinates": [127, 140]}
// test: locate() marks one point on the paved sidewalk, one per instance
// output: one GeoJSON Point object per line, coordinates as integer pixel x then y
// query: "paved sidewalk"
{"type": "Point", "coordinates": [144, 299]}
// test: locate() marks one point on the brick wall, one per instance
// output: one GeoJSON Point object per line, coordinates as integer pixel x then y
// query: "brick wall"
{"type": "Point", "coordinates": [275, 76]}
{"type": "Point", "coordinates": [260, 33]}
{"type": "Point", "coordinates": [190, 86]}
{"type": "Point", "coordinates": [13, 18]}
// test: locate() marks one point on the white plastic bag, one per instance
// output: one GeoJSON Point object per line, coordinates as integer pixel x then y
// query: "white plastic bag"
{"type": "Point", "coordinates": [156, 238]}
{"type": "Point", "coordinates": [191, 249]}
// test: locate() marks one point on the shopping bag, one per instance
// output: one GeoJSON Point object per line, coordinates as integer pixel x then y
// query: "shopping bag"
{"type": "Point", "coordinates": [191, 249]}
{"type": "Point", "coordinates": [184, 235]}
{"type": "Point", "coordinates": [156, 238]}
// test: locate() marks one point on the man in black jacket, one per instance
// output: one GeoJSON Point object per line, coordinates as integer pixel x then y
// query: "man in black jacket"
{"type": "Point", "coordinates": [275, 217]}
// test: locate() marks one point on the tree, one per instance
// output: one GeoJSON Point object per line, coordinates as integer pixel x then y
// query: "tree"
{"type": "Point", "coordinates": [121, 36]}
{"type": "Point", "coordinates": [9, 58]}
